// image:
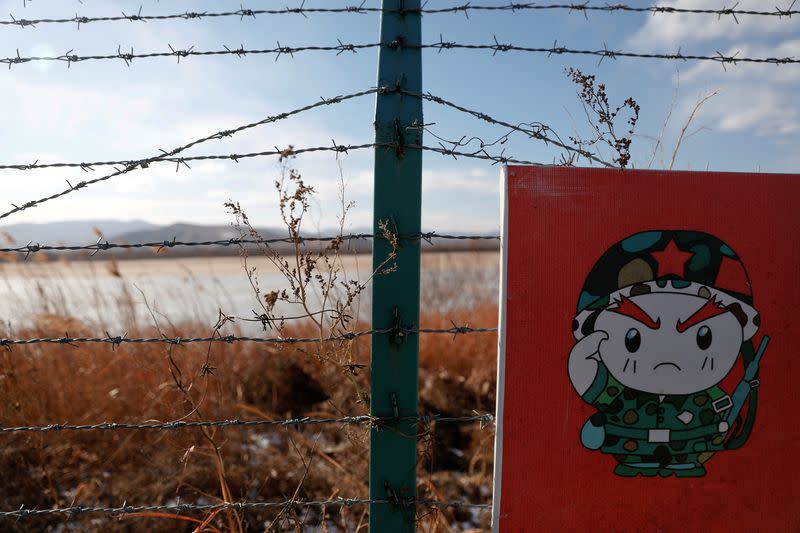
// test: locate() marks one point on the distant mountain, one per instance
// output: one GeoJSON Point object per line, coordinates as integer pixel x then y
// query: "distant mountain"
{"type": "Point", "coordinates": [189, 232]}
{"type": "Point", "coordinates": [198, 233]}
{"type": "Point", "coordinates": [138, 231]}
{"type": "Point", "coordinates": [69, 232]}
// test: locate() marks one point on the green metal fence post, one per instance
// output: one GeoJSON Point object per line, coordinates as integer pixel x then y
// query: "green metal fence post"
{"type": "Point", "coordinates": [395, 296]}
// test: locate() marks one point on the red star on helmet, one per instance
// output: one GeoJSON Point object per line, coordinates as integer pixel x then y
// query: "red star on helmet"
{"type": "Point", "coordinates": [671, 260]}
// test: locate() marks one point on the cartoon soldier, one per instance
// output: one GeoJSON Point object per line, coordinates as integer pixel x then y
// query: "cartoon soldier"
{"type": "Point", "coordinates": [661, 321]}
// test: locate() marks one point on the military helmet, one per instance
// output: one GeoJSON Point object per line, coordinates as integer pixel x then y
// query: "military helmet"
{"type": "Point", "coordinates": [675, 261]}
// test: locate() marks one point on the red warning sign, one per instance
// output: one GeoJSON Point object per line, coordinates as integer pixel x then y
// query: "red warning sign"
{"type": "Point", "coordinates": [647, 375]}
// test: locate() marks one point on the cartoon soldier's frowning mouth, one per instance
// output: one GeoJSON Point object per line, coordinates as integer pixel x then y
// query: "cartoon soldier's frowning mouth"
{"type": "Point", "coordinates": [661, 321]}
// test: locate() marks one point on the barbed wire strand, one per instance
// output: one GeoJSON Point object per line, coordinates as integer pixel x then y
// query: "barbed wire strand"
{"type": "Point", "coordinates": [70, 57]}
{"type": "Point", "coordinates": [144, 163]}
{"type": "Point", "coordinates": [484, 419]}
{"type": "Point", "coordinates": [497, 47]}
{"type": "Point", "coordinates": [236, 506]}
{"type": "Point", "coordinates": [466, 8]}
{"type": "Point", "coordinates": [103, 245]}
{"type": "Point", "coordinates": [481, 154]}
{"type": "Point", "coordinates": [352, 335]}
{"type": "Point", "coordinates": [585, 7]}
{"type": "Point", "coordinates": [286, 152]}
{"type": "Point", "coordinates": [604, 53]}
{"type": "Point", "coordinates": [535, 130]}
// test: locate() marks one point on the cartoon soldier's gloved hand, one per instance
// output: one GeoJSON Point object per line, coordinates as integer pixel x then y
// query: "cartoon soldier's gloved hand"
{"type": "Point", "coordinates": [661, 321]}
{"type": "Point", "coordinates": [593, 432]}
{"type": "Point", "coordinates": [583, 360]}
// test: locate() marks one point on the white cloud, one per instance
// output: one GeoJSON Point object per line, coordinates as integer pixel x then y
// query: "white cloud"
{"type": "Point", "coordinates": [759, 98]}
{"type": "Point", "coordinates": [753, 98]}
{"type": "Point", "coordinates": [769, 114]}
{"type": "Point", "coordinates": [61, 113]}
{"type": "Point", "coordinates": [675, 29]}
{"type": "Point", "coordinates": [77, 121]}
{"type": "Point", "coordinates": [105, 110]}
{"type": "Point", "coordinates": [487, 219]}
{"type": "Point", "coordinates": [481, 180]}
{"type": "Point", "coordinates": [749, 72]}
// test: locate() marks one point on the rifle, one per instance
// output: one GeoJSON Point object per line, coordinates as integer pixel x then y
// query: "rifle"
{"type": "Point", "coordinates": [744, 390]}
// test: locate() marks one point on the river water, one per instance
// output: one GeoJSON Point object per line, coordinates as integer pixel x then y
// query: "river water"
{"type": "Point", "coordinates": [131, 294]}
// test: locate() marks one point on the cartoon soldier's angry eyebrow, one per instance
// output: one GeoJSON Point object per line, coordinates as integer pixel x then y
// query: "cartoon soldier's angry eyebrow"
{"type": "Point", "coordinates": [626, 307]}
{"type": "Point", "coordinates": [709, 310]}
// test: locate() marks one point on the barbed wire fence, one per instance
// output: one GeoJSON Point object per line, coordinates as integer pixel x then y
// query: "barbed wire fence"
{"type": "Point", "coordinates": [467, 147]}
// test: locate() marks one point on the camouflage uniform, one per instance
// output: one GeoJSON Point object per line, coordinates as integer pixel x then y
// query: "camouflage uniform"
{"type": "Point", "coordinates": [676, 434]}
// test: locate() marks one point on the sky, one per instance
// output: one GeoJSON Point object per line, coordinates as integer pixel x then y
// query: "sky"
{"type": "Point", "coordinates": [98, 110]}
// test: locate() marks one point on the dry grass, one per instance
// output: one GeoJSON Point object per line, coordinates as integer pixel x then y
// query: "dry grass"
{"type": "Point", "coordinates": [43, 384]}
